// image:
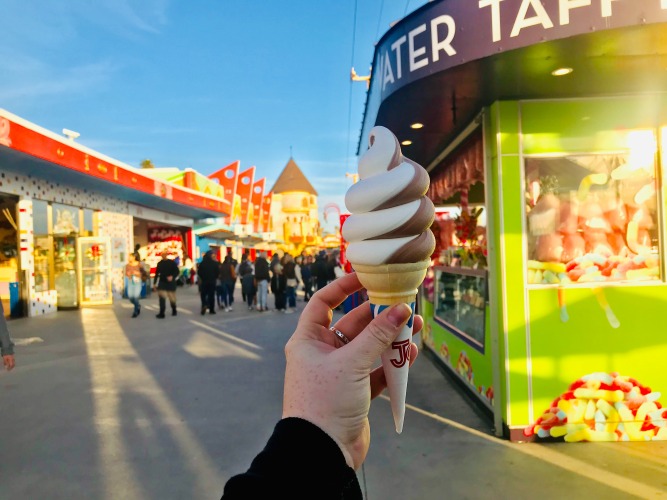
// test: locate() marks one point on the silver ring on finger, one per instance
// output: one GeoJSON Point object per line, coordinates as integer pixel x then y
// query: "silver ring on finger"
{"type": "Point", "coordinates": [340, 335]}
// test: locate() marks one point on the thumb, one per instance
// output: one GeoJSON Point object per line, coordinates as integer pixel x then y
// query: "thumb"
{"type": "Point", "coordinates": [379, 334]}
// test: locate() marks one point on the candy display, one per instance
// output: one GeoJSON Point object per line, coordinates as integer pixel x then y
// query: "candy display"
{"type": "Point", "coordinates": [603, 407]}
{"type": "Point", "coordinates": [601, 229]}
{"type": "Point", "coordinates": [390, 243]}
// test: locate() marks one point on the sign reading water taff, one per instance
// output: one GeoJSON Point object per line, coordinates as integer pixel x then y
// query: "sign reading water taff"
{"type": "Point", "coordinates": [444, 35]}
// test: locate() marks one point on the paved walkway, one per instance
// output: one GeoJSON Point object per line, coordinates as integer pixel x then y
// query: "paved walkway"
{"type": "Point", "coordinates": [112, 407]}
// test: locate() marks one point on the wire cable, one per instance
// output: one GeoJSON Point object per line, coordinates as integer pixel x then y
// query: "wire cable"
{"type": "Point", "coordinates": [377, 30]}
{"type": "Point", "coordinates": [349, 104]}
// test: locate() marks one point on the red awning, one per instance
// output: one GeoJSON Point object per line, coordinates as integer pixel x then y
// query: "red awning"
{"type": "Point", "coordinates": [62, 156]}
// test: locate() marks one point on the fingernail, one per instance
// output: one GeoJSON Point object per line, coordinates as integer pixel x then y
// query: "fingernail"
{"type": "Point", "coordinates": [399, 314]}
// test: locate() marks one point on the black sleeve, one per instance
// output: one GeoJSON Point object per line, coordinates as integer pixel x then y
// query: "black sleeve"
{"type": "Point", "coordinates": [299, 461]}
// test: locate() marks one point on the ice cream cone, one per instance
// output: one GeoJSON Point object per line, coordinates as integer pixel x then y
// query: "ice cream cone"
{"type": "Point", "coordinates": [390, 284]}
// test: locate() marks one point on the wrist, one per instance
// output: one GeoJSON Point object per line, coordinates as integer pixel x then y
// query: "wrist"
{"type": "Point", "coordinates": [347, 455]}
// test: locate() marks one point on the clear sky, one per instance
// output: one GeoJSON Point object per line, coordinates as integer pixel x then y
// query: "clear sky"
{"type": "Point", "coordinates": [199, 84]}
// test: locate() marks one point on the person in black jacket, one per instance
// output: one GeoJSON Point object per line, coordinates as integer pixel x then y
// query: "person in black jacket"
{"type": "Point", "coordinates": [319, 270]}
{"type": "Point", "coordinates": [278, 287]}
{"type": "Point", "coordinates": [262, 277]}
{"type": "Point", "coordinates": [324, 434]}
{"type": "Point", "coordinates": [207, 272]}
{"type": "Point", "coordinates": [166, 273]}
{"type": "Point", "coordinates": [227, 279]}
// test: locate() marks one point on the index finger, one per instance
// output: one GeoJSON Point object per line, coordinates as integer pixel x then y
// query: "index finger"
{"type": "Point", "coordinates": [318, 310]}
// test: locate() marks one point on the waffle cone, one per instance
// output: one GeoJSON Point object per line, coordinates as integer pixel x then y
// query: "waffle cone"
{"type": "Point", "coordinates": [390, 284]}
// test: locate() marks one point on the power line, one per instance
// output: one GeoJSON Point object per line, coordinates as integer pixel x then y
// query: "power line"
{"type": "Point", "coordinates": [349, 104]}
{"type": "Point", "coordinates": [406, 8]}
{"type": "Point", "coordinates": [377, 30]}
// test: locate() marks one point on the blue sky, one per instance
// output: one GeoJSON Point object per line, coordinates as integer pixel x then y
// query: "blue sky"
{"type": "Point", "coordinates": [199, 84]}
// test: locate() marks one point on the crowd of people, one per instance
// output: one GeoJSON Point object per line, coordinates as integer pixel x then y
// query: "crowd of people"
{"type": "Point", "coordinates": [281, 276]}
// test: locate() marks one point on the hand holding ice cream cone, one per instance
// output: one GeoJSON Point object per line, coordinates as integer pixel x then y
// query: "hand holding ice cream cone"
{"type": "Point", "coordinates": [330, 383]}
{"type": "Point", "coordinates": [390, 243]}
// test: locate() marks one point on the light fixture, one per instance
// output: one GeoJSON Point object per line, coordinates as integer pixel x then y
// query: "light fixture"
{"type": "Point", "coordinates": [562, 71]}
{"type": "Point", "coordinates": [406, 142]}
{"type": "Point", "coordinates": [417, 125]}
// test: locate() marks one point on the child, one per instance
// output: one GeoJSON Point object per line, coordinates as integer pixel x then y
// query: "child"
{"type": "Point", "coordinates": [278, 286]}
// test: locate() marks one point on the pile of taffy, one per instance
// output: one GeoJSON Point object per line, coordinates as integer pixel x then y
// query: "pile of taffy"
{"type": "Point", "coordinates": [591, 267]}
{"type": "Point", "coordinates": [603, 407]}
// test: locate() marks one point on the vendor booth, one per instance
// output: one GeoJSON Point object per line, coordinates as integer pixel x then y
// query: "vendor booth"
{"type": "Point", "coordinates": [68, 215]}
{"type": "Point", "coordinates": [543, 126]}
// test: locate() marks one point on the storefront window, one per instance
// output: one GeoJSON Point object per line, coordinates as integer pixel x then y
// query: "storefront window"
{"type": "Point", "coordinates": [40, 217]}
{"type": "Point", "coordinates": [42, 268]}
{"type": "Point", "coordinates": [65, 220]}
{"type": "Point", "coordinates": [460, 303]}
{"type": "Point", "coordinates": [88, 222]}
{"type": "Point", "coordinates": [594, 217]}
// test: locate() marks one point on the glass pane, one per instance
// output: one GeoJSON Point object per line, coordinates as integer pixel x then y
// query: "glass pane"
{"type": "Point", "coordinates": [593, 218]}
{"type": "Point", "coordinates": [40, 217]}
{"type": "Point", "coordinates": [95, 271]}
{"type": "Point", "coordinates": [460, 304]}
{"type": "Point", "coordinates": [88, 224]}
{"type": "Point", "coordinates": [64, 252]}
{"type": "Point", "coordinates": [42, 273]}
{"type": "Point", "coordinates": [65, 219]}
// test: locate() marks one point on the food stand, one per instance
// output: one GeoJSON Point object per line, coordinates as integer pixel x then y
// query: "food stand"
{"type": "Point", "coordinates": [547, 294]}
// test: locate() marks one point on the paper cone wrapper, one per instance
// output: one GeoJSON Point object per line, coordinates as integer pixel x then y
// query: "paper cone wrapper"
{"type": "Point", "coordinates": [387, 285]}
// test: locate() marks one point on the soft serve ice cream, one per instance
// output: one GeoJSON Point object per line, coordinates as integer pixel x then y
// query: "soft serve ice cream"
{"type": "Point", "coordinates": [391, 215]}
{"type": "Point", "coordinates": [390, 244]}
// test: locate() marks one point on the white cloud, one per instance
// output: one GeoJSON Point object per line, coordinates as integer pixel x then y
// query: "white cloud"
{"type": "Point", "coordinates": [36, 79]}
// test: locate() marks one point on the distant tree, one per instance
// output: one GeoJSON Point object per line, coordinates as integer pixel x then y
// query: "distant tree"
{"type": "Point", "coordinates": [147, 164]}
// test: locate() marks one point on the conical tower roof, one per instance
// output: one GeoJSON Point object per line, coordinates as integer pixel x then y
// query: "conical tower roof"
{"type": "Point", "coordinates": [292, 179]}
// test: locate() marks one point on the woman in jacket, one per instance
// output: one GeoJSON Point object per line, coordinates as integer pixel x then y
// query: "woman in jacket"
{"type": "Point", "coordinates": [227, 281]}
{"type": "Point", "coordinates": [133, 282]}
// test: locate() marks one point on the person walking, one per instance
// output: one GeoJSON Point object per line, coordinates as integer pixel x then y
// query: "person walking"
{"type": "Point", "coordinates": [291, 283]}
{"type": "Point", "coordinates": [227, 281]}
{"type": "Point", "coordinates": [244, 259]}
{"type": "Point", "coordinates": [262, 277]}
{"type": "Point", "coordinates": [166, 274]}
{"type": "Point", "coordinates": [248, 284]}
{"type": "Point", "coordinates": [133, 279]}
{"type": "Point", "coordinates": [6, 344]}
{"type": "Point", "coordinates": [307, 277]}
{"type": "Point", "coordinates": [319, 270]}
{"type": "Point", "coordinates": [278, 285]}
{"type": "Point", "coordinates": [275, 259]}
{"type": "Point", "coordinates": [235, 265]}
{"type": "Point", "coordinates": [208, 271]}
{"type": "Point", "coordinates": [298, 263]}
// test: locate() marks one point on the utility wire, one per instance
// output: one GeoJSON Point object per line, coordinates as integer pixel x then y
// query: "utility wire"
{"type": "Point", "coordinates": [377, 30]}
{"type": "Point", "coordinates": [349, 104]}
{"type": "Point", "coordinates": [406, 8]}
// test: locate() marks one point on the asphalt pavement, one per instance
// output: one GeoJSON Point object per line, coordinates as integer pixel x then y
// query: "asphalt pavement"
{"type": "Point", "coordinates": [103, 406]}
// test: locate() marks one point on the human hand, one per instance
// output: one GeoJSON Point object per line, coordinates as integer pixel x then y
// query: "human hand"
{"type": "Point", "coordinates": [331, 384]}
{"type": "Point", "coordinates": [9, 362]}
{"type": "Point", "coordinates": [170, 278]}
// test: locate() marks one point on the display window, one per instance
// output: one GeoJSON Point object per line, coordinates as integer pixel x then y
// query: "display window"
{"type": "Point", "coordinates": [460, 303]}
{"type": "Point", "coordinates": [594, 217]}
{"type": "Point", "coordinates": [42, 267]}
